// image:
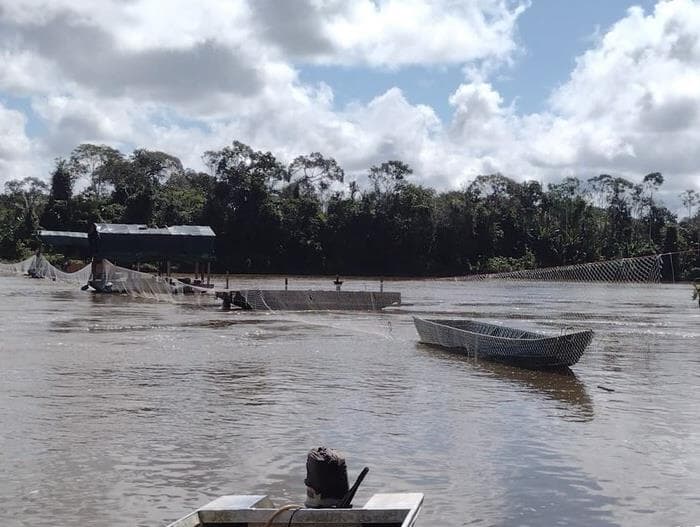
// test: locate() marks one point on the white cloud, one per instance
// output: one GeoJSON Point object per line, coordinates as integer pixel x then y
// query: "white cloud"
{"type": "Point", "coordinates": [138, 73]}
{"type": "Point", "coordinates": [632, 104]}
{"type": "Point", "coordinates": [195, 76]}
{"type": "Point", "coordinates": [16, 149]}
{"type": "Point", "coordinates": [14, 144]}
{"type": "Point", "coordinates": [399, 32]}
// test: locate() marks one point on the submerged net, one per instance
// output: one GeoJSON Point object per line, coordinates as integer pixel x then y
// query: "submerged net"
{"type": "Point", "coordinates": [38, 266]}
{"type": "Point", "coordinates": [17, 267]}
{"type": "Point", "coordinates": [110, 278]}
{"type": "Point", "coordinates": [106, 278]}
{"type": "Point", "coordinates": [616, 298]}
{"type": "Point", "coordinates": [643, 269]}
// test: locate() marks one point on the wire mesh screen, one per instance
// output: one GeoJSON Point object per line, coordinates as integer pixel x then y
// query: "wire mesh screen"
{"type": "Point", "coordinates": [643, 269]}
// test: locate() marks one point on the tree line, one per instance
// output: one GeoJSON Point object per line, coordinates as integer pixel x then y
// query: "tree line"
{"type": "Point", "coordinates": [305, 218]}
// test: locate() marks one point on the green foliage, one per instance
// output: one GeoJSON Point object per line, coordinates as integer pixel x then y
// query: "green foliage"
{"type": "Point", "coordinates": [96, 163]}
{"type": "Point", "coordinates": [300, 219]}
{"type": "Point", "coordinates": [388, 176]}
{"type": "Point", "coordinates": [62, 181]}
{"type": "Point", "coordinates": [500, 264]}
{"type": "Point", "coordinates": [22, 205]}
{"type": "Point", "coordinates": [314, 175]}
{"type": "Point", "coordinates": [690, 198]}
{"type": "Point", "coordinates": [181, 200]}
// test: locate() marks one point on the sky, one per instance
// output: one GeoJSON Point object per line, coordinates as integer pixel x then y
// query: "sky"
{"type": "Point", "coordinates": [533, 89]}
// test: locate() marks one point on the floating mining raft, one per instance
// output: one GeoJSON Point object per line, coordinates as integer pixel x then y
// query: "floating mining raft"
{"type": "Point", "coordinates": [299, 300]}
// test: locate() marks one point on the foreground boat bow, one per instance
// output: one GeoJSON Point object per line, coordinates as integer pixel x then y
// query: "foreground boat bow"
{"type": "Point", "coordinates": [387, 510]}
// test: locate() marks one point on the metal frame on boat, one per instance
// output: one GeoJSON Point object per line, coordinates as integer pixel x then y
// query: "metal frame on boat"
{"type": "Point", "coordinates": [386, 510]}
{"type": "Point", "coordinates": [505, 344]}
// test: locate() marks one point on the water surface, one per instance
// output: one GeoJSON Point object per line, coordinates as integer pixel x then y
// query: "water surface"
{"type": "Point", "coordinates": [115, 411]}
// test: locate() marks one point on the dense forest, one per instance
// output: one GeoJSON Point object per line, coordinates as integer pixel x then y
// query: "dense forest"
{"type": "Point", "coordinates": [304, 218]}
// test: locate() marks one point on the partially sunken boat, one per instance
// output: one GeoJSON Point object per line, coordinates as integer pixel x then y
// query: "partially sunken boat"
{"type": "Point", "coordinates": [309, 300]}
{"type": "Point", "coordinates": [505, 344]}
{"type": "Point", "coordinates": [385, 510]}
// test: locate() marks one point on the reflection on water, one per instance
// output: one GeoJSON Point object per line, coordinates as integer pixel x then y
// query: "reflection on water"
{"type": "Point", "coordinates": [561, 385]}
{"type": "Point", "coordinates": [130, 412]}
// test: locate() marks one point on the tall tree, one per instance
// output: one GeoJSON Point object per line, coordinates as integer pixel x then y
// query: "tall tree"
{"type": "Point", "coordinates": [315, 174]}
{"type": "Point", "coordinates": [58, 211]}
{"type": "Point", "coordinates": [62, 180]}
{"type": "Point", "coordinates": [136, 182]}
{"type": "Point", "coordinates": [389, 176]}
{"type": "Point", "coordinates": [690, 198]}
{"type": "Point", "coordinates": [651, 183]}
{"type": "Point", "coordinates": [96, 163]}
{"type": "Point", "coordinates": [26, 199]}
{"type": "Point", "coordinates": [243, 207]}
{"type": "Point", "coordinates": [181, 200]}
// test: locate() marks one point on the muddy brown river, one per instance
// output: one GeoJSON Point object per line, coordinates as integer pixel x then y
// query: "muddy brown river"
{"type": "Point", "coordinates": [119, 411]}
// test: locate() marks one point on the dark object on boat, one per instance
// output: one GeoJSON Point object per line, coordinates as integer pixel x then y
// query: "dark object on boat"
{"type": "Point", "coordinates": [347, 500]}
{"type": "Point", "coordinates": [505, 344]}
{"type": "Point", "coordinates": [299, 300]}
{"type": "Point", "coordinates": [385, 510]}
{"type": "Point", "coordinates": [328, 503]}
{"type": "Point", "coordinates": [327, 480]}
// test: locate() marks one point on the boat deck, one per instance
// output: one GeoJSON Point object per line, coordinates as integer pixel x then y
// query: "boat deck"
{"type": "Point", "coordinates": [385, 510]}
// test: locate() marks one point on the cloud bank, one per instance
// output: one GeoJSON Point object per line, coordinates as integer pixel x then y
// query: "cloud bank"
{"type": "Point", "coordinates": [188, 77]}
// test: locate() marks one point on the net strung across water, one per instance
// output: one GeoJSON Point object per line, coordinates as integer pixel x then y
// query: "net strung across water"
{"type": "Point", "coordinates": [106, 277]}
{"type": "Point", "coordinates": [13, 268]}
{"type": "Point", "coordinates": [642, 269]}
{"type": "Point", "coordinates": [553, 301]}
{"type": "Point", "coordinates": [37, 266]}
